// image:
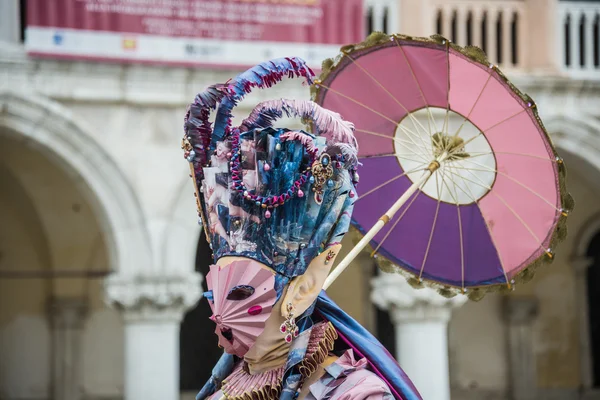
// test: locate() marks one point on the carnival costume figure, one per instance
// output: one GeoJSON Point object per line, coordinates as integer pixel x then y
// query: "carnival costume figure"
{"type": "Point", "coordinates": [275, 204]}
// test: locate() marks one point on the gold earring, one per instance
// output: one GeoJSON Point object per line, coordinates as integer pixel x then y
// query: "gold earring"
{"type": "Point", "coordinates": [289, 328]}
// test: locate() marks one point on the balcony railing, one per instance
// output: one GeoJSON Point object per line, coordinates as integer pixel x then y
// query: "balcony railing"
{"type": "Point", "coordinates": [494, 26]}
{"type": "Point", "coordinates": [579, 36]}
{"type": "Point", "coordinates": [381, 16]}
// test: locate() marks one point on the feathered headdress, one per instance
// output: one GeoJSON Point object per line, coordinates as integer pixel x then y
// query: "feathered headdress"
{"type": "Point", "coordinates": [278, 196]}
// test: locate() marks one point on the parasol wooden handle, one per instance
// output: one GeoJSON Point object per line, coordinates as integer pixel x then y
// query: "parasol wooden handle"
{"type": "Point", "coordinates": [385, 218]}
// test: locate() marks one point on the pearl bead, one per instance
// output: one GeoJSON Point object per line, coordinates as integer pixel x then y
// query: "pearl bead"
{"type": "Point", "coordinates": [267, 167]}
{"type": "Point", "coordinates": [267, 214]}
{"type": "Point", "coordinates": [300, 193]}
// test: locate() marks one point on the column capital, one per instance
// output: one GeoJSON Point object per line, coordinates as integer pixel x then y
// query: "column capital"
{"type": "Point", "coordinates": [393, 293]}
{"type": "Point", "coordinates": [153, 297]}
{"type": "Point", "coordinates": [581, 264]}
{"type": "Point", "coordinates": [67, 312]}
{"type": "Point", "coordinates": [520, 310]}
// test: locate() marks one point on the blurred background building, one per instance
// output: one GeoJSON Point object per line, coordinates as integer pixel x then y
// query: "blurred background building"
{"type": "Point", "coordinates": [101, 258]}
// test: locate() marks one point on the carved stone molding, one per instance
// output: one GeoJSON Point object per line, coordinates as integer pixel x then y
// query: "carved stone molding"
{"type": "Point", "coordinates": [130, 83]}
{"type": "Point", "coordinates": [391, 292]}
{"type": "Point", "coordinates": [154, 297]}
{"type": "Point", "coordinates": [177, 86]}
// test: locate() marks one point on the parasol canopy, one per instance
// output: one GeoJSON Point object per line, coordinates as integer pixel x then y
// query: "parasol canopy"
{"type": "Point", "coordinates": [460, 181]}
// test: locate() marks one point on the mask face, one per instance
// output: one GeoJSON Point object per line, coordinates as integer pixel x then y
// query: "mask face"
{"type": "Point", "coordinates": [241, 296]}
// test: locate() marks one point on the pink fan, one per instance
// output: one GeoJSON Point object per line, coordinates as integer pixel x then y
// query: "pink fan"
{"type": "Point", "coordinates": [243, 294]}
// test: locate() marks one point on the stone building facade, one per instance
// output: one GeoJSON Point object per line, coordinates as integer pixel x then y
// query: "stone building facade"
{"type": "Point", "coordinates": [101, 258]}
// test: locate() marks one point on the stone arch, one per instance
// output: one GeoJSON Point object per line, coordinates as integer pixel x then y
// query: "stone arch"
{"type": "Point", "coordinates": [57, 134]}
{"type": "Point", "coordinates": [577, 141]}
{"type": "Point", "coordinates": [578, 137]}
{"type": "Point", "coordinates": [582, 263]}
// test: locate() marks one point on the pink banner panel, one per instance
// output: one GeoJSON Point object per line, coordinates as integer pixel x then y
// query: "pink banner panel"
{"type": "Point", "coordinates": [192, 32]}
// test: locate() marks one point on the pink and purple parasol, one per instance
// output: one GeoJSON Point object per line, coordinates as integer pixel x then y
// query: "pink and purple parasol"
{"type": "Point", "coordinates": [459, 176]}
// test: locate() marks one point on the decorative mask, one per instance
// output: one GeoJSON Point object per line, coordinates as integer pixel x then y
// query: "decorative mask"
{"type": "Point", "coordinates": [241, 295]}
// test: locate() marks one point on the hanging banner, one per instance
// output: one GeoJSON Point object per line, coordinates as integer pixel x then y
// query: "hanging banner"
{"type": "Point", "coordinates": [227, 33]}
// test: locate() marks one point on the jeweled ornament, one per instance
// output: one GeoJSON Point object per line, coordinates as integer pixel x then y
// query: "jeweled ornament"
{"type": "Point", "coordinates": [322, 171]}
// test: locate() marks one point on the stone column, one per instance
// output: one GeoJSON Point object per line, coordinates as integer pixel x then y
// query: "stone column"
{"type": "Point", "coordinates": [421, 320]}
{"type": "Point", "coordinates": [520, 314]}
{"type": "Point", "coordinates": [507, 16]}
{"type": "Point", "coordinates": [378, 16]}
{"type": "Point", "coordinates": [581, 266]}
{"type": "Point", "coordinates": [10, 27]}
{"type": "Point", "coordinates": [462, 14]}
{"type": "Point", "coordinates": [477, 20]}
{"type": "Point", "coordinates": [574, 40]}
{"type": "Point", "coordinates": [522, 44]}
{"type": "Point", "coordinates": [152, 308]}
{"type": "Point", "coordinates": [67, 318]}
{"type": "Point", "coordinates": [492, 35]}
{"type": "Point", "coordinates": [447, 15]}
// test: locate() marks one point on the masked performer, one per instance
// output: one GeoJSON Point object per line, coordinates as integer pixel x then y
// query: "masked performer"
{"type": "Point", "coordinates": [275, 231]}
